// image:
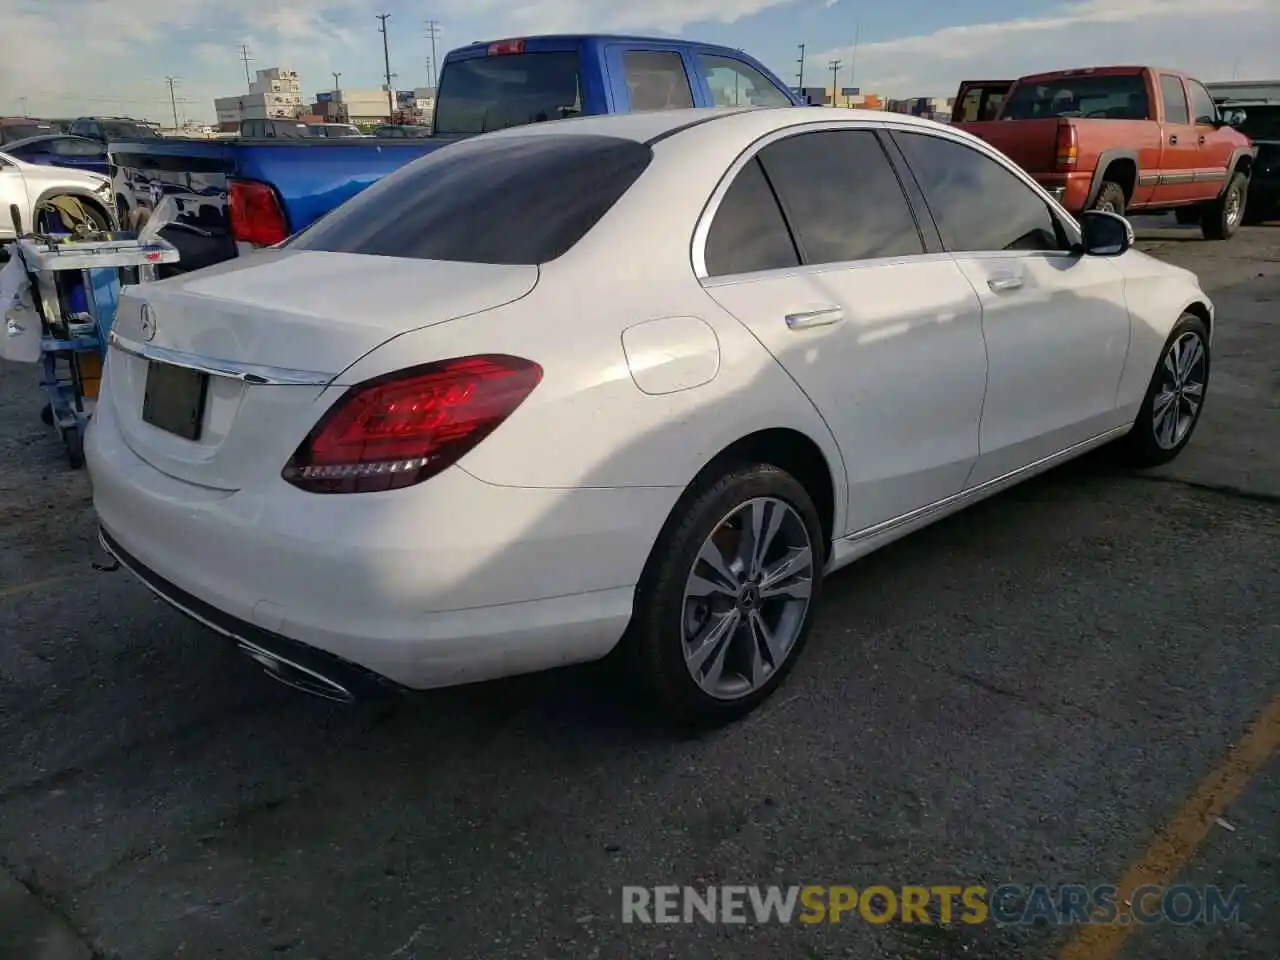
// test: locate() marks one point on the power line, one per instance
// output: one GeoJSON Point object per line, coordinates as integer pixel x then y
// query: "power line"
{"type": "Point", "coordinates": [245, 58]}
{"type": "Point", "coordinates": [386, 62]}
{"type": "Point", "coordinates": [173, 100]}
{"type": "Point", "coordinates": [433, 31]}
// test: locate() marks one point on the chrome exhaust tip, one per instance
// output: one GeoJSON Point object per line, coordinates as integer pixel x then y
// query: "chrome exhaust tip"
{"type": "Point", "coordinates": [298, 677]}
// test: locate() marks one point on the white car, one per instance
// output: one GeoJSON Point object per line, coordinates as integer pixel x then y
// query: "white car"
{"type": "Point", "coordinates": [631, 382]}
{"type": "Point", "coordinates": [27, 185]}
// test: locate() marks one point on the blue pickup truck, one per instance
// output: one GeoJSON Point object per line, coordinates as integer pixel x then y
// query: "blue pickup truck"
{"type": "Point", "coordinates": [240, 194]}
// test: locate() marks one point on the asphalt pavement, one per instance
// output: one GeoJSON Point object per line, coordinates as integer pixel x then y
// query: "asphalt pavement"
{"type": "Point", "coordinates": [1073, 683]}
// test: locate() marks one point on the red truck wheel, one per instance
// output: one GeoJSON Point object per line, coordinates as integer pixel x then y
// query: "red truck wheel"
{"type": "Point", "coordinates": [1110, 198]}
{"type": "Point", "coordinates": [1222, 217]}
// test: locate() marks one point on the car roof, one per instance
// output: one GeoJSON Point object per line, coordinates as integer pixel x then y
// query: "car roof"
{"type": "Point", "coordinates": [661, 124]}
{"type": "Point", "coordinates": [40, 138]}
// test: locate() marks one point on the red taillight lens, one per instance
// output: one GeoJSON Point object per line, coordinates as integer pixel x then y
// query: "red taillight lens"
{"type": "Point", "coordinates": [1067, 145]}
{"type": "Point", "coordinates": [255, 213]}
{"type": "Point", "coordinates": [404, 428]}
{"type": "Point", "coordinates": [503, 48]}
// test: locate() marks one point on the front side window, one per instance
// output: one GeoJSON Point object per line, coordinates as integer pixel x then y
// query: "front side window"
{"type": "Point", "coordinates": [1203, 108]}
{"type": "Point", "coordinates": [977, 203]}
{"type": "Point", "coordinates": [737, 84]}
{"type": "Point", "coordinates": [518, 200]}
{"type": "Point", "coordinates": [479, 94]}
{"type": "Point", "coordinates": [656, 80]}
{"type": "Point", "coordinates": [1175, 100]}
{"type": "Point", "coordinates": [748, 232]}
{"type": "Point", "coordinates": [841, 196]}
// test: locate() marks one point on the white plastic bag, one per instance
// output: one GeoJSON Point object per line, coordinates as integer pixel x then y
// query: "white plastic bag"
{"type": "Point", "coordinates": [20, 336]}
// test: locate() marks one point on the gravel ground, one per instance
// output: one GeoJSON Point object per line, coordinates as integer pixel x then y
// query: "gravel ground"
{"type": "Point", "coordinates": [1026, 693]}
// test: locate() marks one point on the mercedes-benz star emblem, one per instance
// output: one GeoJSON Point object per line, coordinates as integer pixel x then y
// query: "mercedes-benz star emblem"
{"type": "Point", "coordinates": [147, 323]}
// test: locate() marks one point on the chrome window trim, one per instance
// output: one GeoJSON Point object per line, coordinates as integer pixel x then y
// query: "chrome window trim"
{"type": "Point", "coordinates": [705, 219]}
{"type": "Point", "coordinates": [255, 373]}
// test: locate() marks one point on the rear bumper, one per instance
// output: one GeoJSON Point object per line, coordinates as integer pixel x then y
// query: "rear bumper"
{"type": "Point", "coordinates": [1069, 189]}
{"type": "Point", "coordinates": [450, 582]}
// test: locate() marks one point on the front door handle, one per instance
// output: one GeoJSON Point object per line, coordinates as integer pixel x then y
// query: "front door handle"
{"type": "Point", "coordinates": [1174, 139]}
{"type": "Point", "coordinates": [1202, 139]}
{"type": "Point", "coordinates": [814, 318]}
{"type": "Point", "coordinates": [1001, 284]}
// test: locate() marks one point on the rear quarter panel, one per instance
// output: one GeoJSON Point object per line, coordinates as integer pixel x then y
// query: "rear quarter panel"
{"type": "Point", "coordinates": [588, 424]}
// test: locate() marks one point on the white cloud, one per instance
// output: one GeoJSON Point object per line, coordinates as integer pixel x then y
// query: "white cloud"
{"type": "Point", "coordinates": [69, 57]}
{"type": "Point", "coordinates": [1210, 41]}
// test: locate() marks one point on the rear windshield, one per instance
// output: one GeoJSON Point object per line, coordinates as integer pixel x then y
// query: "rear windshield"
{"type": "Point", "coordinates": [519, 200]}
{"type": "Point", "coordinates": [1122, 97]}
{"type": "Point", "coordinates": [491, 93]}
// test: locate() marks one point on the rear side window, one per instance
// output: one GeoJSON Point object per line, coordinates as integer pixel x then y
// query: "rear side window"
{"type": "Point", "coordinates": [657, 80]}
{"type": "Point", "coordinates": [748, 232]}
{"type": "Point", "coordinates": [480, 94]}
{"type": "Point", "coordinates": [978, 204]}
{"type": "Point", "coordinates": [519, 200]}
{"type": "Point", "coordinates": [1175, 100]}
{"type": "Point", "coordinates": [78, 148]}
{"type": "Point", "coordinates": [842, 197]}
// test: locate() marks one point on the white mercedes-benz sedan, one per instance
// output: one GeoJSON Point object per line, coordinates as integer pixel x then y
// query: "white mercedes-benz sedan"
{"type": "Point", "coordinates": [634, 382]}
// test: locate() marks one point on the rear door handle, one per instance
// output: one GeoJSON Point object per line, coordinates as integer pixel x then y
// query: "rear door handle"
{"type": "Point", "coordinates": [814, 318]}
{"type": "Point", "coordinates": [1202, 138]}
{"type": "Point", "coordinates": [1001, 284]}
{"type": "Point", "coordinates": [1174, 139]}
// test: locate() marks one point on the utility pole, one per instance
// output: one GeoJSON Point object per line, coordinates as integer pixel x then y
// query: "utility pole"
{"type": "Point", "coordinates": [338, 105]}
{"type": "Point", "coordinates": [433, 31]}
{"type": "Point", "coordinates": [173, 100]}
{"type": "Point", "coordinates": [853, 60]}
{"type": "Point", "coordinates": [800, 75]}
{"type": "Point", "coordinates": [386, 62]}
{"type": "Point", "coordinates": [245, 58]}
{"type": "Point", "coordinates": [835, 66]}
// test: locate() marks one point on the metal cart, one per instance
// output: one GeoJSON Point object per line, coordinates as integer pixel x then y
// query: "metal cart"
{"type": "Point", "coordinates": [74, 325]}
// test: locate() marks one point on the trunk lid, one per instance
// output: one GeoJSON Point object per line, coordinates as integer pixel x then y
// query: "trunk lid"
{"type": "Point", "coordinates": [1031, 144]}
{"type": "Point", "coordinates": [270, 331]}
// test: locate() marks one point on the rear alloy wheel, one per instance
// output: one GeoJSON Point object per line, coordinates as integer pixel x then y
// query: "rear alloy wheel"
{"type": "Point", "coordinates": [727, 602]}
{"type": "Point", "coordinates": [1175, 397]}
{"type": "Point", "coordinates": [1223, 217]}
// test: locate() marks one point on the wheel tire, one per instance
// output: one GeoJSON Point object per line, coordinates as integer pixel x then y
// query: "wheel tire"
{"type": "Point", "coordinates": [654, 646]}
{"type": "Point", "coordinates": [1187, 216]}
{"type": "Point", "coordinates": [1139, 447]}
{"type": "Point", "coordinates": [1110, 197]}
{"type": "Point", "coordinates": [1219, 222]}
{"type": "Point", "coordinates": [74, 439]}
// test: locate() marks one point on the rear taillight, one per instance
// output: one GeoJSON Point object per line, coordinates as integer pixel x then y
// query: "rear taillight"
{"type": "Point", "coordinates": [406, 427]}
{"type": "Point", "coordinates": [256, 216]}
{"type": "Point", "coordinates": [1067, 145]}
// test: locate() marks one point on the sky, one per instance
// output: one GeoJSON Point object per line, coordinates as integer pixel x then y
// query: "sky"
{"type": "Point", "coordinates": [67, 58]}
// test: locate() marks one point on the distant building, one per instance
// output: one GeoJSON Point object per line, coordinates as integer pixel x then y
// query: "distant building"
{"type": "Point", "coordinates": [276, 94]}
{"type": "Point", "coordinates": [352, 106]}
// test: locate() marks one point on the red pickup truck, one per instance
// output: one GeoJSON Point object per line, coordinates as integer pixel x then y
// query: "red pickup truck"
{"type": "Point", "coordinates": [1124, 139]}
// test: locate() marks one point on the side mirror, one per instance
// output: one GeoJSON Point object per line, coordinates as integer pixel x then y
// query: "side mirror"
{"type": "Point", "coordinates": [1233, 118]}
{"type": "Point", "coordinates": [1105, 234]}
